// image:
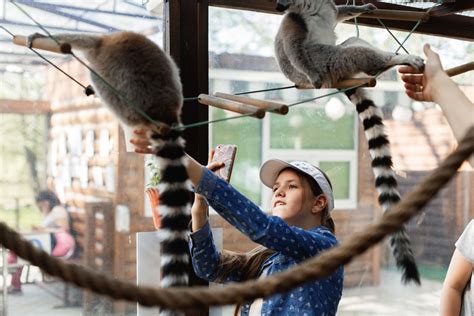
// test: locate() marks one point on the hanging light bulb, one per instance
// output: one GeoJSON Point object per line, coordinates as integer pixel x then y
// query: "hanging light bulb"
{"type": "Point", "coordinates": [335, 109]}
{"type": "Point", "coordinates": [402, 113]}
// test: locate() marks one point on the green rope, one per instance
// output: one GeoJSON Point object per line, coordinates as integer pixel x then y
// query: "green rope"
{"type": "Point", "coordinates": [393, 35]}
{"type": "Point", "coordinates": [48, 61]}
{"type": "Point", "coordinates": [183, 127]}
{"type": "Point", "coordinates": [117, 92]}
{"type": "Point", "coordinates": [355, 21]}
{"type": "Point", "coordinates": [265, 90]}
{"type": "Point", "coordinates": [415, 27]}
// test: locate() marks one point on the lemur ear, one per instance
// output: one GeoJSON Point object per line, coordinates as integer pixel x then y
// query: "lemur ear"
{"type": "Point", "coordinates": [319, 204]}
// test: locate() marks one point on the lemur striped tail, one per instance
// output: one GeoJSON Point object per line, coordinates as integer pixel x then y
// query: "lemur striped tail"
{"type": "Point", "coordinates": [385, 181]}
{"type": "Point", "coordinates": [174, 209]}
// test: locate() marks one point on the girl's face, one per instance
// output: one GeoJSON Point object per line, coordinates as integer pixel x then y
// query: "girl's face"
{"type": "Point", "coordinates": [292, 199]}
{"type": "Point", "coordinates": [44, 206]}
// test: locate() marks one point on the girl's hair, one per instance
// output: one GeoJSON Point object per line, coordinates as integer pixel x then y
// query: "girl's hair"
{"type": "Point", "coordinates": [326, 219]}
{"type": "Point", "coordinates": [249, 263]}
{"type": "Point", "coordinates": [49, 196]}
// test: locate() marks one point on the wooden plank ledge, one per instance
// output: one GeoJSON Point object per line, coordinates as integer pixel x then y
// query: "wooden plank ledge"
{"type": "Point", "coordinates": [229, 105]}
{"type": "Point", "coordinates": [268, 106]}
{"type": "Point", "coordinates": [346, 83]}
{"type": "Point", "coordinates": [460, 69]}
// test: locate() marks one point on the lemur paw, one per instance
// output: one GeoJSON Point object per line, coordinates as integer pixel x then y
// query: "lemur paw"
{"type": "Point", "coordinates": [317, 84]}
{"type": "Point", "coordinates": [369, 7]}
{"type": "Point", "coordinates": [416, 62]}
{"type": "Point", "coordinates": [32, 37]}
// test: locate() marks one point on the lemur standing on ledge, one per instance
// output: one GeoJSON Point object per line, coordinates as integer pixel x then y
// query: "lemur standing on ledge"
{"type": "Point", "coordinates": [306, 51]}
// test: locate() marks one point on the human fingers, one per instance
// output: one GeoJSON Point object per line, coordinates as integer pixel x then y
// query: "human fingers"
{"type": "Point", "coordinates": [412, 79]}
{"type": "Point", "coordinates": [140, 131]}
{"type": "Point", "coordinates": [213, 166]}
{"type": "Point", "coordinates": [211, 155]}
{"type": "Point", "coordinates": [433, 58]}
{"type": "Point", "coordinates": [417, 96]}
{"type": "Point", "coordinates": [144, 151]}
{"type": "Point", "coordinates": [408, 70]}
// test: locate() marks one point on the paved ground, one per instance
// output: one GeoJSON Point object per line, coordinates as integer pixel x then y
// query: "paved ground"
{"type": "Point", "coordinates": [391, 298]}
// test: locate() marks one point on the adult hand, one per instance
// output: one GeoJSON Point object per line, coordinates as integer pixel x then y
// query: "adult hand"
{"type": "Point", "coordinates": [424, 86]}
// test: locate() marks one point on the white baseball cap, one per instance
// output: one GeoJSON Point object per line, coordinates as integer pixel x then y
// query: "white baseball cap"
{"type": "Point", "coordinates": [272, 168]}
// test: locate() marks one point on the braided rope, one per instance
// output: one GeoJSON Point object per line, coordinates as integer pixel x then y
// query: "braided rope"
{"type": "Point", "coordinates": [312, 269]}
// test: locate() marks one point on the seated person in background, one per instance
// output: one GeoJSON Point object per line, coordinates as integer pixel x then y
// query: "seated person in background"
{"type": "Point", "coordinates": [55, 221]}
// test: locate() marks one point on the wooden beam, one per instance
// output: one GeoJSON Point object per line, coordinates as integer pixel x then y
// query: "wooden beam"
{"type": "Point", "coordinates": [24, 107]}
{"type": "Point", "coordinates": [454, 26]}
{"type": "Point", "coordinates": [453, 7]}
{"type": "Point", "coordinates": [186, 40]}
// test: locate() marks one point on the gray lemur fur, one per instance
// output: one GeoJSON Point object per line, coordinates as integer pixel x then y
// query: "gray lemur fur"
{"type": "Point", "coordinates": [137, 68]}
{"type": "Point", "coordinates": [306, 50]}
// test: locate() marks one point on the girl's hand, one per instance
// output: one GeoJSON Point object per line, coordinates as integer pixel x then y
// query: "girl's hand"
{"type": "Point", "coordinates": [141, 142]}
{"type": "Point", "coordinates": [213, 166]}
{"type": "Point", "coordinates": [200, 209]}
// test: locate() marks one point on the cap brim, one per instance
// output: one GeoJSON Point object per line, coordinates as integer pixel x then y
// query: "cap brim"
{"type": "Point", "coordinates": [271, 169]}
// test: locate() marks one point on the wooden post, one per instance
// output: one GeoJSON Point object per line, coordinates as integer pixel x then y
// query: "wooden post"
{"type": "Point", "coordinates": [186, 40]}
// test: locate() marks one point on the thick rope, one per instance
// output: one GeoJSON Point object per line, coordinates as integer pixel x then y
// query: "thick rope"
{"type": "Point", "coordinates": [318, 267]}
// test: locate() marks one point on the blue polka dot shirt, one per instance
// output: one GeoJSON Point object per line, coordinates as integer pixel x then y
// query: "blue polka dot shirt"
{"type": "Point", "coordinates": [291, 245]}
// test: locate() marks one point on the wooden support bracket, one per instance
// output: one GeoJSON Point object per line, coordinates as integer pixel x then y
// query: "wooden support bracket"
{"type": "Point", "coordinates": [267, 106]}
{"type": "Point", "coordinates": [460, 69]}
{"type": "Point", "coordinates": [231, 105]}
{"type": "Point", "coordinates": [44, 43]}
{"type": "Point", "coordinates": [346, 83]}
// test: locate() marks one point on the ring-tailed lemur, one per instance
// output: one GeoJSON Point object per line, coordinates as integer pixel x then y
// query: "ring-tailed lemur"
{"type": "Point", "coordinates": [306, 51]}
{"type": "Point", "coordinates": [149, 79]}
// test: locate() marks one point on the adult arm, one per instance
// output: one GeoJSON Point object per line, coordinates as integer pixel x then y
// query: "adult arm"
{"type": "Point", "coordinates": [459, 273]}
{"type": "Point", "coordinates": [434, 85]}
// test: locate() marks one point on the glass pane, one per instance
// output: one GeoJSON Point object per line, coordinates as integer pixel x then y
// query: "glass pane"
{"type": "Point", "coordinates": [339, 173]}
{"type": "Point", "coordinates": [311, 128]}
{"type": "Point", "coordinates": [245, 133]}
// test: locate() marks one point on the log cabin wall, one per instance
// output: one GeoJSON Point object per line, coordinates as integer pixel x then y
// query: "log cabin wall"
{"type": "Point", "coordinates": [88, 163]}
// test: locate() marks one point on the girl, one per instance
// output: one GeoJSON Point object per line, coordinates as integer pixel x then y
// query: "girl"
{"type": "Point", "coordinates": [300, 228]}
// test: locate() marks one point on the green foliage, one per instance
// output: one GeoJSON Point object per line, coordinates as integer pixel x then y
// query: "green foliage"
{"type": "Point", "coordinates": [154, 170]}
{"type": "Point", "coordinates": [27, 215]}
